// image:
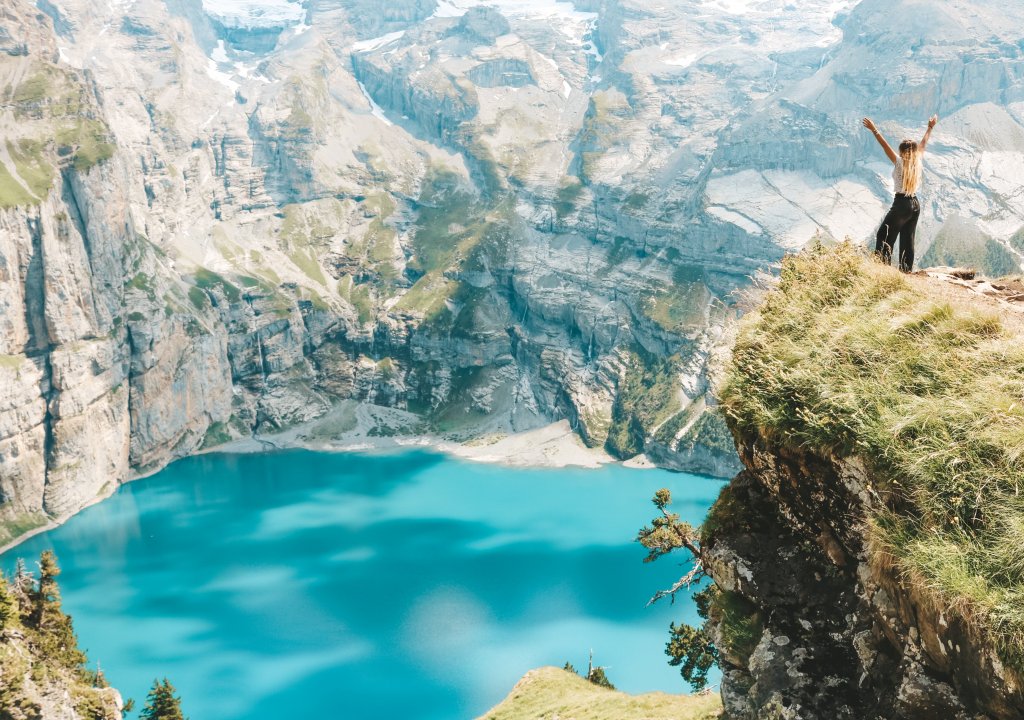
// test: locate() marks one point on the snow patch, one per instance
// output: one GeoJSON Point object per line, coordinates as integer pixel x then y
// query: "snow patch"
{"type": "Point", "coordinates": [527, 8]}
{"type": "Point", "coordinates": [223, 78]}
{"type": "Point", "coordinates": [248, 72]}
{"type": "Point", "coordinates": [759, 25]}
{"type": "Point", "coordinates": [566, 89]}
{"type": "Point", "coordinates": [220, 53]}
{"type": "Point", "coordinates": [590, 48]}
{"type": "Point", "coordinates": [731, 7]}
{"type": "Point", "coordinates": [740, 221]}
{"type": "Point", "coordinates": [377, 42]}
{"type": "Point", "coordinates": [376, 110]}
{"type": "Point", "coordinates": [791, 206]}
{"type": "Point", "coordinates": [1002, 172]}
{"type": "Point", "coordinates": [553, 64]}
{"type": "Point", "coordinates": [446, 9]}
{"type": "Point", "coordinates": [683, 60]}
{"type": "Point", "coordinates": [255, 13]}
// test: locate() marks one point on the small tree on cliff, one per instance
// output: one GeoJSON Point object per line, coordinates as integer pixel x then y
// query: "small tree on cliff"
{"type": "Point", "coordinates": [688, 647]}
{"type": "Point", "coordinates": [23, 587]}
{"type": "Point", "coordinates": [162, 703]}
{"type": "Point", "coordinates": [8, 605]}
{"type": "Point", "coordinates": [666, 534]}
{"type": "Point", "coordinates": [46, 602]}
{"type": "Point", "coordinates": [57, 637]}
{"type": "Point", "coordinates": [599, 678]}
{"type": "Point", "coordinates": [594, 674]}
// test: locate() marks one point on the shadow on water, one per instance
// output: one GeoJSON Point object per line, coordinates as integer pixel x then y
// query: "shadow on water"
{"type": "Point", "coordinates": [299, 584]}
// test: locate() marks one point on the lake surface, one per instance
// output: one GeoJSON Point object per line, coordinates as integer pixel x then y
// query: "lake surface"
{"type": "Point", "coordinates": [358, 586]}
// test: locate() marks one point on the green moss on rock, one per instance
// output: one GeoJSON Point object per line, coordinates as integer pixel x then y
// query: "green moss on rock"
{"type": "Point", "coordinates": [208, 280]}
{"type": "Point", "coordinates": [739, 623]}
{"type": "Point", "coordinates": [648, 394]}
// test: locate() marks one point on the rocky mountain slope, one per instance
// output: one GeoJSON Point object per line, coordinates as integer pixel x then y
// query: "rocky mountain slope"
{"type": "Point", "coordinates": [867, 559]}
{"type": "Point", "coordinates": [222, 218]}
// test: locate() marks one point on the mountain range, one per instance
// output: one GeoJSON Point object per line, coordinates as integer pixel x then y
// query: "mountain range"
{"type": "Point", "coordinates": [221, 218]}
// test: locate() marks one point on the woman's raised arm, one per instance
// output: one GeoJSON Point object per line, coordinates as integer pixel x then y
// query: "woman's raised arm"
{"type": "Point", "coordinates": [928, 133]}
{"type": "Point", "coordinates": [881, 141]}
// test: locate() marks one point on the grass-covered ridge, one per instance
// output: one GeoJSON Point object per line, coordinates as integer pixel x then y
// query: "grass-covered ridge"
{"type": "Point", "coordinates": [549, 693]}
{"type": "Point", "coordinates": [926, 384]}
{"type": "Point", "coordinates": [51, 123]}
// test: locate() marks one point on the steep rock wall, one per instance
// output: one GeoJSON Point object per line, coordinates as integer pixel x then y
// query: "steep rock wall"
{"type": "Point", "coordinates": [843, 634]}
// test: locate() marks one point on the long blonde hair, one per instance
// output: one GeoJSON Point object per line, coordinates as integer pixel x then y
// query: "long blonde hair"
{"type": "Point", "coordinates": [911, 158]}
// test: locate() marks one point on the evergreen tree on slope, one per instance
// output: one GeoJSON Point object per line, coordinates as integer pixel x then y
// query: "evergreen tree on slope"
{"type": "Point", "coordinates": [161, 703]}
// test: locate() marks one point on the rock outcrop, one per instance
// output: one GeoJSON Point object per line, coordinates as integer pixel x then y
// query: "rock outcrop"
{"type": "Point", "coordinates": [844, 636]}
{"type": "Point", "coordinates": [848, 552]}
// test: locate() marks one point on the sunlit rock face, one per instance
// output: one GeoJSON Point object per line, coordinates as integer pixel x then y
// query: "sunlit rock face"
{"type": "Point", "coordinates": [489, 215]}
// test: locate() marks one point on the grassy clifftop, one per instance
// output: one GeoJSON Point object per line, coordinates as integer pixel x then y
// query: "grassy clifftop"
{"type": "Point", "coordinates": [549, 693]}
{"type": "Point", "coordinates": [923, 381]}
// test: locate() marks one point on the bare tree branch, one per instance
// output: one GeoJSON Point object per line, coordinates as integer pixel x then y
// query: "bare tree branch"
{"type": "Point", "coordinates": [696, 574]}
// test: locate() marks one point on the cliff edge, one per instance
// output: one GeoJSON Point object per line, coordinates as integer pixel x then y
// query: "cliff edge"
{"type": "Point", "coordinates": [870, 554]}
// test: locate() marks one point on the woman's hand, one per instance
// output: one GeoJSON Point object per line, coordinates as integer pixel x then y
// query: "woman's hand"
{"type": "Point", "coordinates": [889, 152]}
{"type": "Point", "coordinates": [928, 133]}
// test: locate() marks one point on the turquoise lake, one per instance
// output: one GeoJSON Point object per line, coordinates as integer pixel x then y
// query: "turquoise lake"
{"type": "Point", "coordinates": [358, 586]}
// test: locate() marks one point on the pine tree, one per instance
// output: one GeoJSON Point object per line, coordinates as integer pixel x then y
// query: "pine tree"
{"type": "Point", "coordinates": [161, 703]}
{"type": "Point", "coordinates": [23, 587]}
{"type": "Point", "coordinates": [690, 648]}
{"type": "Point", "coordinates": [598, 677]}
{"type": "Point", "coordinates": [47, 596]}
{"type": "Point", "coordinates": [8, 605]}
{"type": "Point", "coordinates": [57, 637]}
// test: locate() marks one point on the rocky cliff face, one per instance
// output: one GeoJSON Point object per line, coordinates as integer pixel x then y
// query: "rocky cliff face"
{"type": "Point", "coordinates": [841, 634]}
{"type": "Point", "coordinates": [861, 556]}
{"type": "Point", "coordinates": [219, 219]}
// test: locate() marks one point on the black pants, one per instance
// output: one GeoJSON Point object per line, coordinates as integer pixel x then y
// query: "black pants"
{"type": "Point", "coordinates": [900, 220]}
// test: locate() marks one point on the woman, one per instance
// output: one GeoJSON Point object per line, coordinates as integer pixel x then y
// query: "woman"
{"type": "Point", "coordinates": [902, 216]}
